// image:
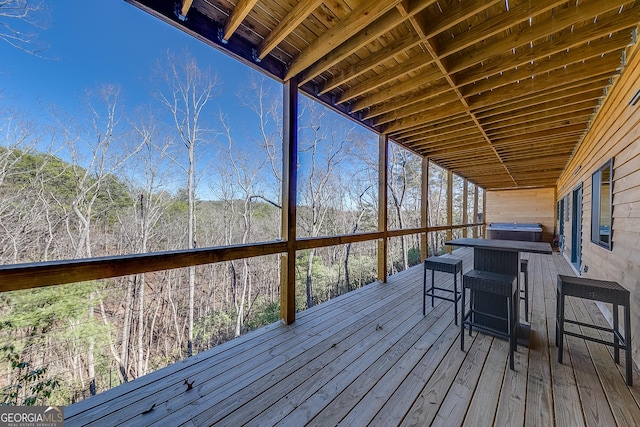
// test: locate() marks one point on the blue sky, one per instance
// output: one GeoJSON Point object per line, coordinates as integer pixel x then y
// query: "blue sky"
{"type": "Point", "coordinates": [91, 43]}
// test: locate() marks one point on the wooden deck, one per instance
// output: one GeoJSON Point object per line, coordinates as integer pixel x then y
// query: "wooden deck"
{"type": "Point", "coordinates": [371, 358]}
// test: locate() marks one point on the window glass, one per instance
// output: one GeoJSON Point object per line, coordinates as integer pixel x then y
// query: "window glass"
{"type": "Point", "coordinates": [602, 205]}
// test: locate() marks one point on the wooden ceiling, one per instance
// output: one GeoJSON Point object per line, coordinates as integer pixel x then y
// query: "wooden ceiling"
{"type": "Point", "coordinates": [499, 91]}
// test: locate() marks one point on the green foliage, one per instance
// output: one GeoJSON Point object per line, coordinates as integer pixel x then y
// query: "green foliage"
{"type": "Point", "coordinates": [29, 385]}
{"type": "Point", "coordinates": [362, 270]}
{"type": "Point", "coordinates": [57, 177]}
{"type": "Point", "coordinates": [266, 313]}
{"type": "Point", "coordinates": [414, 256]}
{"type": "Point", "coordinates": [212, 329]}
{"type": "Point", "coordinates": [58, 314]}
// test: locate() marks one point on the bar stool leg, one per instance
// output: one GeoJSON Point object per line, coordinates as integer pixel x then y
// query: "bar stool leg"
{"type": "Point", "coordinates": [424, 291]}
{"type": "Point", "coordinates": [463, 316]}
{"type": "Point", "coordinates": [433, 287]}
{"type": "Point", "coordinates": [560, 326]}
{"type": "Point", "coordinates": [472, 307]}
{"type": "Point", "coordinates": [627, 342]}
{"type": "Point", "coordinates": [455, 298]}
{"type": "Point", "coordinates": [510, 330]}
{"type": "Point", "coordinates": [616, 329]}
{"type": "Point", "coordinates": [526, 295]}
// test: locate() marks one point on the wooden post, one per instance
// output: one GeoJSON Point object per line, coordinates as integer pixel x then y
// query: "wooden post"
{"type": "Point", "coordinates": [289, 200]}
{"type": "Point", "coordinates": [465, 205]}
{"type": "Point", "coordinates": [475, 209]}
{"type": "Point", "coordinates": [484, 214]}
{"type": "Point", "coordinates": [449, 207]}
{"type": "Point", "coordinates": [383, 160]}
{"type": "Point", "coordinates": [424, 210]}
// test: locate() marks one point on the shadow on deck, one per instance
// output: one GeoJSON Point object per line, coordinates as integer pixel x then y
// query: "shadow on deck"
{"type": "Point", "coordinates": [370, 357]}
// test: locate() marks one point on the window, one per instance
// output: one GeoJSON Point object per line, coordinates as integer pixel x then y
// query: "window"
{"type": "Point", "coordinates": [601, 205]}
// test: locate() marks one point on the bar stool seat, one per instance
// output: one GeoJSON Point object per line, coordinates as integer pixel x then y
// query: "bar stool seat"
{"type": "Point", "coordinates": [524, 293]}
{"type": "Point", "coordinates": [445, 265]}
{"type": "Point", "coordinates": [596, 290]}
{"type": "Point", "coordinates": [500, 285]}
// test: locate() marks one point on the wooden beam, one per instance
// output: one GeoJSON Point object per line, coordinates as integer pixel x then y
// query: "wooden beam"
{"type": "Point", "coordinates": [376, 59]}
{"type": "Point", "coordinates": [301, 10]}
{"type": "Point", "coordinates": [499, 24]}
{"type": "Point", "coordinates": [571, 92]}
{"type": "Point", "coordinates": [563, 19]}
{"type": "Point", "coordinates": [436, 95]}
{"type": "Point", "coordinates": [383, 25]}
{"type": "Point", "coordinates": [240, 12]}
{"type": "Point", "coordinates": [426, 77]}
{"type": "Point", "coordinates": [415, 63]}
{"type": "Point", "coordinates": [543, 85]}
{"type": "Point", "coordinates": [545, 57]}
{"type": "Point", "coordinates": [186, 5]}
{"type": "Point", "coordinates": [490, 79]}
{"type": "Point", "coordinates": [289, 200]}
{"type": "Point", "coordinates": [383, 224]}
{"type": "Point", "coordinates": [424, 210]}
{"type": "Point", "coordinates": [570, 104]}
{"type": "Point", "coordinates": [357, 20]}
{"type": "Point", "coordinates": [424, 118]}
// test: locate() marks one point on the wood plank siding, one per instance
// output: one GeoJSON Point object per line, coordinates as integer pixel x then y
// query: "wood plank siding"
{"type": "Point", "coordinates": [614, 134]}
{"type": "Point", "coordinates": [370, 358]}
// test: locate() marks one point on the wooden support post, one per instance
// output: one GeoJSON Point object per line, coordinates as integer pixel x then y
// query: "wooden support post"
{"type": "Point", "coordinates": [465, 205]}
{"type": "Point", "coordinates": [449, 207]}
{"type": "Point", "coordinates": [475, 209]}
{"type": "Point", "coordinates": [424, 210]}
{"type": "Point", "coordinates": [383, 161]}
{"type": "Point", "coordinates": [484, 214]}
{"type": "Point", "coordinates": [289, 200]}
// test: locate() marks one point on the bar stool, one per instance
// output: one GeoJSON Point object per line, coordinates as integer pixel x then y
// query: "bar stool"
{"type": "Point", "coordinates": [500, 286]}
{"type": "Point", "coordinates": [596, 290]}
{"type": "Point", "coordinates": [524, 293]}
{"type": "Point", "coordinates": [445, 265]}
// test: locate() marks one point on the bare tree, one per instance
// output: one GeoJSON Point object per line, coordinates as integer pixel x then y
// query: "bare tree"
{"type": "Point", "coordinates": [95, 158]}
{"type": "Point", "coordinates": [327, 147]}
{"type": "Point", "coordinates": [15, 144]}
{"type": "Point", "coordinates": [241, 180]}
{"type": "Point", "coordinates": [16, 17]}
{"type": "Point", "coordinates": [403, 180]}
{"type": "Point", "coordinates": [437, 203]}
{"type": "Point", "coordinates": [189, 90]}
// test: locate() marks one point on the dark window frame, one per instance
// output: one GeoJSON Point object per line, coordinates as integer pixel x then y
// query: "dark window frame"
{"type": "Point", "coordinates": [602, 234]}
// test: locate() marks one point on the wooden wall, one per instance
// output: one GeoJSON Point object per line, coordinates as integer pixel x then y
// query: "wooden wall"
{"type": "Point", "coordinates": [525, 206]}
{"type": "Point", "coordinates": [615, 132]}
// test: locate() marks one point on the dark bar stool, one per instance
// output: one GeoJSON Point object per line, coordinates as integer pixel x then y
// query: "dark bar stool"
{"type": "Point", "coordinates": [524, 293]}
{"type": "Point", "coordinates": [596, 290]}
{"type": "Point", "coordinates": [445, 265]}
{"type": "Point", "coordinates": [502, 286]}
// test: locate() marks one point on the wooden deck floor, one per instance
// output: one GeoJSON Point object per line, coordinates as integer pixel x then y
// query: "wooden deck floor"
{"type": "Point", "coordinates": [371, 358]}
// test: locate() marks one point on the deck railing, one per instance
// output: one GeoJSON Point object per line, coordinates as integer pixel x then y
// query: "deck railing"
{"type": "Point", "coordinates": [32, 275]}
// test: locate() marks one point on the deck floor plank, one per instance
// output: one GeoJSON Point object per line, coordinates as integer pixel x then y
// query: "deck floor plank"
{"type": "Point", "coordinates": [483, 406]}
{"type": "Point", "coordinates": [594, 401]}
{"type": "Point", "coordinates": [371, 358]}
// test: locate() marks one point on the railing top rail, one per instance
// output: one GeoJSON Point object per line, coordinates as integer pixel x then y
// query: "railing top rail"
{"type": "Point", "coordinates": [33, 275]}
